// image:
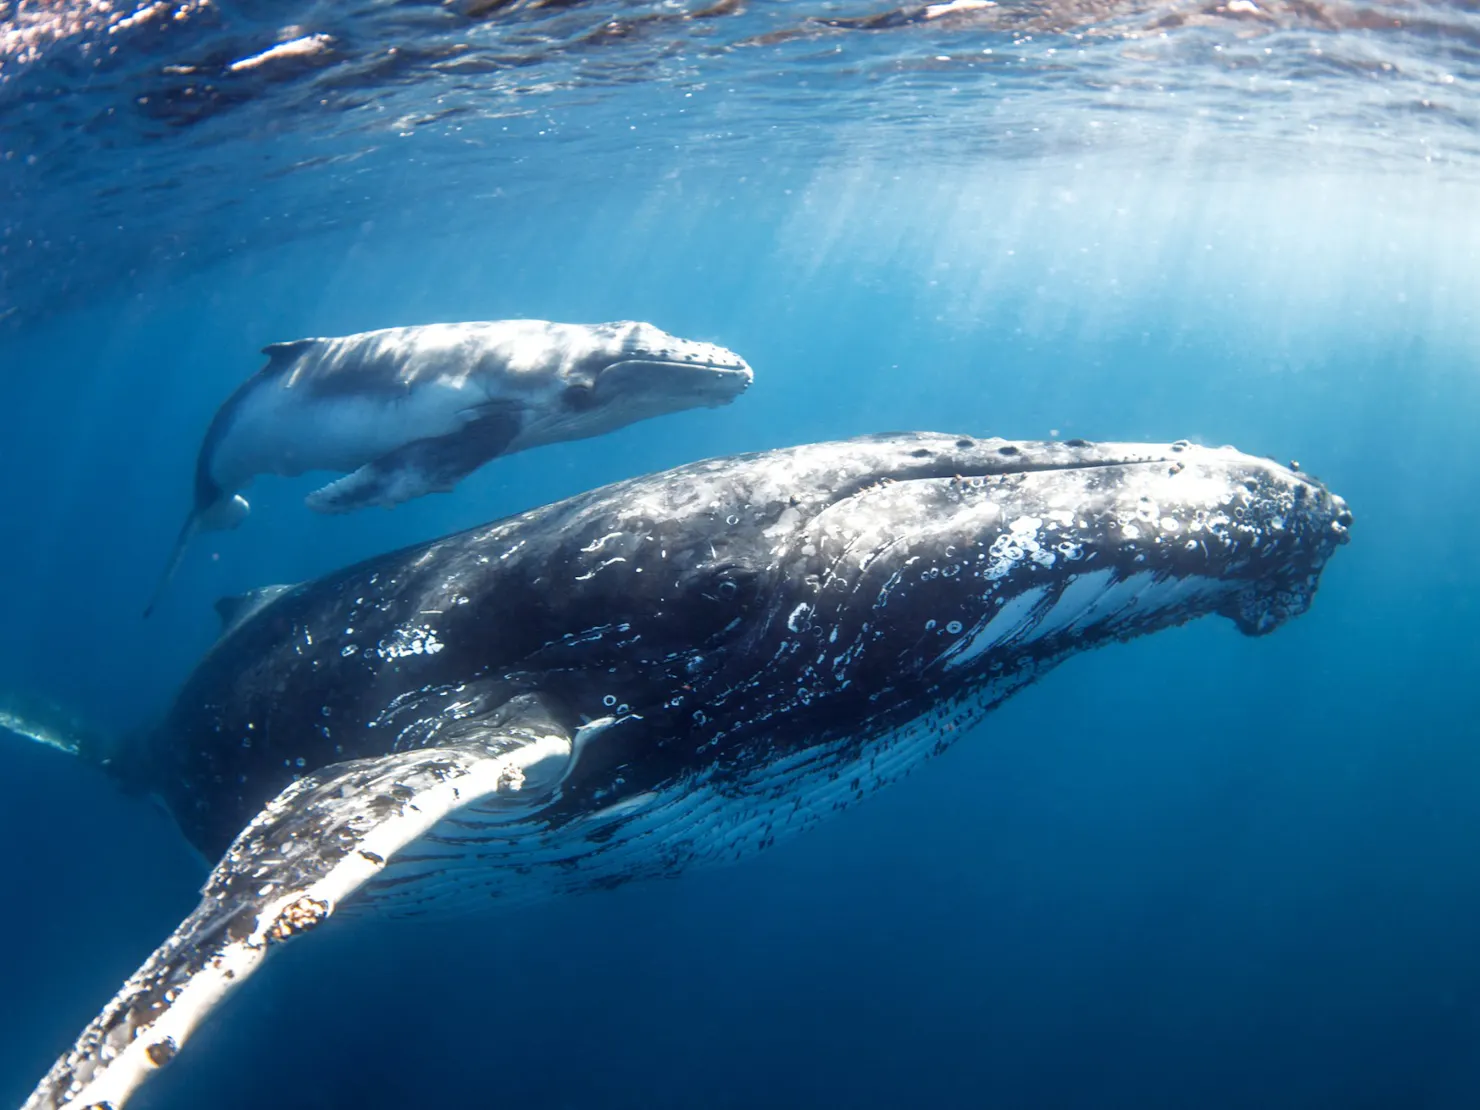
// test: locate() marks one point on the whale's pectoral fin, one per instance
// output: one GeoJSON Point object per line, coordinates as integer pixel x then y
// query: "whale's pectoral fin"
{"type": "Point", "coordinates": [423, 466]}
{"type": "Point", "coordinates": [314, 846]}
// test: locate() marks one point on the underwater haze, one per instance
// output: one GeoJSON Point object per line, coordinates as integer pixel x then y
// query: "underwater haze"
{"type": "Point", "coordinates": [1197, 870]}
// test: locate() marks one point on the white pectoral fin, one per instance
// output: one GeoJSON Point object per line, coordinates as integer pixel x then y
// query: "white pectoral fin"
{"type": "Point", "coordinates": [423, 466]}
{"type": "Point", "coordinates": [384, 482]}
{"type": "Point", "coordinates": [311, 848]}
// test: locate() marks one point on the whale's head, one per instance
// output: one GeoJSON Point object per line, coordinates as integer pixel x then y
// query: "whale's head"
{"type": "Point", "coordinates": [601, 377]}
{"type": "Point", "coordinates": [839, 584]}
{"type": "Point", "coordinates": [920, 567]}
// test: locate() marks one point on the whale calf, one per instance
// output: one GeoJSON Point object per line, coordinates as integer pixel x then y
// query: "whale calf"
{"type": "Point", "coordinates": [403, 412]}
{"type": "Point", "coordinates": [675, 670]}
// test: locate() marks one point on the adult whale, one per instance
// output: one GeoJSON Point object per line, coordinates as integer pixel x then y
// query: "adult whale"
{"type": "Point", "coordinates": [675, 670]}
{"type": "Point", "coordinates": [403, 412]}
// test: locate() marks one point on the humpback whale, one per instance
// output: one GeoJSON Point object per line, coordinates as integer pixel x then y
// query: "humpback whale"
{"type": "Point", "coordinates": [403, 412]}
{"type": "Point", "coordinates": [672, 671]}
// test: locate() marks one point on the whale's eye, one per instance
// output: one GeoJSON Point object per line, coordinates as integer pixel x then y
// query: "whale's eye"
{"type": "Point", "coordinates": [731, 586]}
{"type": "Point", "coordinates": [729, 596]}
{"type": "Point", "coordinates": [579, 397]}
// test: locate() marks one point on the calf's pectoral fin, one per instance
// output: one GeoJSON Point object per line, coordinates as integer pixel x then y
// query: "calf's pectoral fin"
{"type": "Point", "coordinates": [313, 846]}
{"type": "Point", "coordinates": [422, 466]}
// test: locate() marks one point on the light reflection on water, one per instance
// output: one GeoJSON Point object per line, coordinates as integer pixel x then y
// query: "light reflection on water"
{"type": "Point", "coordinates": [133, 137]}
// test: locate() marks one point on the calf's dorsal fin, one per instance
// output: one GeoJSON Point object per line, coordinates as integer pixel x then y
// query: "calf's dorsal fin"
{"type": "Point", "coordinates": [279, 353]}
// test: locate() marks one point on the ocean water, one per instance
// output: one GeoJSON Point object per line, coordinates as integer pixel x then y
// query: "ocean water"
{"type": "Point", "coordinates": [1198, 870]}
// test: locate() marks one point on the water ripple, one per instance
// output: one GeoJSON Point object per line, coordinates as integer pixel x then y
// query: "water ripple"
{"type": "Point", "coordinates": [140, 125]}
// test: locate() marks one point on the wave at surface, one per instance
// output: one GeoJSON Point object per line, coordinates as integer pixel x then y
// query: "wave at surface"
{"type": "Point", "coordinates": [134, 135]}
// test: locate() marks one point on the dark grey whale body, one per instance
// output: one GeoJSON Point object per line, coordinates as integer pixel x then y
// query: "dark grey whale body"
{"type": "Point", "coordinates": [675, 670]}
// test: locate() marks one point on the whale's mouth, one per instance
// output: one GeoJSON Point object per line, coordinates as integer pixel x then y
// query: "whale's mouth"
{"type": "Point", "coordinates": [702, 381]}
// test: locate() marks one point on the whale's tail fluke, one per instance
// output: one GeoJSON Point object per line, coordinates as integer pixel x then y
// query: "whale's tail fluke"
{"type": "Point", "coordinates": [177, 556]}
{"type": "Point", "coordinates": [226, 512]}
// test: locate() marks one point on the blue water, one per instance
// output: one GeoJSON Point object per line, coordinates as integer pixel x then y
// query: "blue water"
{"type": "Point", "coordinates": [1195, 870]}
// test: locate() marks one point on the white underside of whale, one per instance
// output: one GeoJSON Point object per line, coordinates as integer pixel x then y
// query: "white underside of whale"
{"type": "Point", "coordinates": [281, 430]}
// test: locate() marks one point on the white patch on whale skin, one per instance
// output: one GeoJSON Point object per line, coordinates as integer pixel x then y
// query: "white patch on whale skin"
{"type": "Point", "coordinates": [1019, 542]}
{"type": "Point", "coordinates": [800, 618]}
{"type": "Point", "coordinates": [1093, 600]}
{"type": "Point", "coordinates": [1098, 598]}
{"type": "Point", "coordinates": [600, 541]}
{"type": "Point", "coordinates": [409, 641]}
{"type": "Point", "coordinates": [1009, 620]}
{"type": "Point", "coordinates": [1076, 602]}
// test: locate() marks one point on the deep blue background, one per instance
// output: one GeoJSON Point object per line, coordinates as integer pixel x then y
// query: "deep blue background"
{"type": "Point", "coordinates": [1198, 870]}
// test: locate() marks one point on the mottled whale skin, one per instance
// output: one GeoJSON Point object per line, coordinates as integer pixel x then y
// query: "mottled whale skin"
{"type": "Point", "coordinates": [403, 412]}
{"type": "Point", "coordinates": [675, 670]}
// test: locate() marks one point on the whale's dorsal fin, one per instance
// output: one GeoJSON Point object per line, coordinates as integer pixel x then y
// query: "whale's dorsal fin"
{"type": "Point", "coordinates": [312, 847]}
{"type": "Point", "coordinates": [234, 611]}
{"type": "Point", "coordinates": [280, 353]}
